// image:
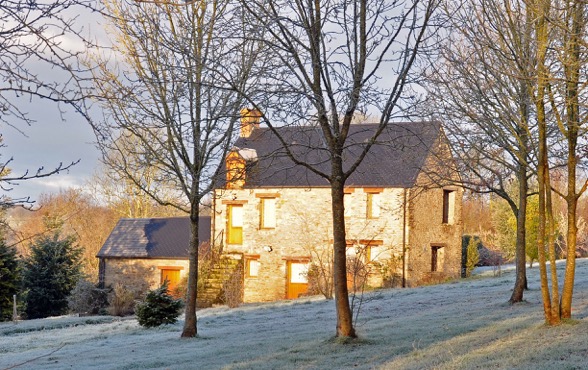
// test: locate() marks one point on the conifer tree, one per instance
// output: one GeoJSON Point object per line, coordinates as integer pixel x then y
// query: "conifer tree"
{"type": "Point", "coordinates": [51, 273]}
{"type": "Point", "coordinates": [10, 277]}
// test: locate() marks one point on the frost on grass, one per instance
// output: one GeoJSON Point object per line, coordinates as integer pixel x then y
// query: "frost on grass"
{"type": "Point", "coordinates": [460, 325]}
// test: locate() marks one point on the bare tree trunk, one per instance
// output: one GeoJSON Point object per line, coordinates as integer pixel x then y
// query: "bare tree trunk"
{"type": "Point", "coordinates": [550, 230]}
{"type": "Point", "coordinates": [344, 314]}
{"type": "Point", "coordinates": [521, 255]}
{"type": "Point", "coordinates": [541, 9]}
{"type": "Point", "coordinates": [190, 324]}
{"type": "Point", "coordinates": [572, 74]}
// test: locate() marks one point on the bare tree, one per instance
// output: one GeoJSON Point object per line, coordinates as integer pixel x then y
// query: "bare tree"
{"type": "Point", "coordinates": [479, 87]}
{"type": "Point", "coordinates": [36, 35]}
{"type": "Point", "coordinates": [326, 62]}
{"type": "Point", "coordinates": [113, 186]}
{"type": "Point", "coordinates": [164, 92]}
{"type": "Point", "coordinates": [541, 13]}
{"type": "Point", "coordinates": [565, 94]}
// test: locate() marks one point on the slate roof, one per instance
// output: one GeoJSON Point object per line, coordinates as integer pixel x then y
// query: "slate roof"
{"type": "Point", "coordinates": [153, 238]}
{"type": "Point", "coordinates": [394, 161]}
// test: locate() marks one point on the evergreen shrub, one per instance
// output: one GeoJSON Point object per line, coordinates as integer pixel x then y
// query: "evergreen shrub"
{"type": "Point", "coordinates": [10, 277]}
{"type": "Point", "coordinates": [50, 274]}
{"type": "Point", "coordinates": [158, 308]}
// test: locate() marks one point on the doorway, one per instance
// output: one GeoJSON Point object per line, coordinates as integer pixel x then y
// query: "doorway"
{"type": "Point", "coordinates": [296, 279]}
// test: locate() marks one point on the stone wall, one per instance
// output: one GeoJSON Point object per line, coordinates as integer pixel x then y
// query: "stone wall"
{"type": "Point", "coordinates": [139, 275]}
{"type": "Point", "coordinates": [427, 230]}
{"type": "Point", "coordinates": [304, 230]}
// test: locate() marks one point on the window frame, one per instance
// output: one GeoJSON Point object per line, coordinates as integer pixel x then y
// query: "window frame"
{"type": "Point", "coordinates": [373, 203]}
{"type": "Point", "coordinates": [437, 254]}
{"type": "Point", "coordinates": [448, 207]}
{"type": "Point", "coordinates": [348, 201]}
{"type": "Point", "coordinates": [263, 213]}
{"type": "Point", "coordinates": [248, 270]}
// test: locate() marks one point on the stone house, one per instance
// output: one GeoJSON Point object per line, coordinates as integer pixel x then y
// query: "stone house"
{"type": "Point", "coordinates": [403, 226]}
{"type": "Point", "coordinates": [142, 253]}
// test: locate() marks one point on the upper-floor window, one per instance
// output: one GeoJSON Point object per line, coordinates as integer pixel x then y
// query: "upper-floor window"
{"type": "Point", "coordinates": [268, 210]}
{"type": "Point", "coordinates": [347, 196]}
{"type": "Point", "coordinates": [373, 205]}
{"type": "Point", "coordinates": [448, 206]}
{"type": "Point", "coordinates": [268, 213]}
{"type": "Point", "coordinates": [235, 224]}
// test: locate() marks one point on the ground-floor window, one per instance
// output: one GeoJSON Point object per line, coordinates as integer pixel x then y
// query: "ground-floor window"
{"type": "Point", "coordinates": [253, 267]}
{"type": "Point", "coordinates": [437, 254]}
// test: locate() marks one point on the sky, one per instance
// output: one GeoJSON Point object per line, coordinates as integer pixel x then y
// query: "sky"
{"type": "Point", "coordinates": [53, 138]}
{"type": "Point", "coordinates": [463, 324]}
{"type": "Point", "coordinates": [46, 143]}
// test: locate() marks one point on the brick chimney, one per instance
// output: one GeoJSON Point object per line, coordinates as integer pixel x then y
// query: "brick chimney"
{"type": "Point", "coordinates": [249, 121]}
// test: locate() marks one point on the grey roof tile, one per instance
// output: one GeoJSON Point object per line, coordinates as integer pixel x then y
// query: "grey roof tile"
{"type": "Point", "coordinates": [395, 160]}
{"type": "Point", "coordinates": [152, 238]}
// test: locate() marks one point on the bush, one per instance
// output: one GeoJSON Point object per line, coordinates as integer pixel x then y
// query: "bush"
{"type": "Point", "coordinates": [473, 256]}
{"type": "Point", "coordinates": [87, 298]}
{"type": "Point", "coordinates": [233, 290]}
{"type": "Point", "coordinates": [50, 275]}
{"type": "Point", "coordinates": [158, 308]}
{"type": "Point", "coordinates": [122, 301]}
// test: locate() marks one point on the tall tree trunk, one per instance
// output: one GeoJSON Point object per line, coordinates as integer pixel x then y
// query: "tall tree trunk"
{"type": "Point", "coordinates": [572, 73]}
{"type": "Point", "coordinates": [541, 9]}
{"type": "Point", "coordinates": [521, 253]}
{"type": "Point", "coordinates": [344, 315]}
{"type": "Point", "coordinates": [190, 324]}
{"type": "Point", "coordinates": [550, 231]}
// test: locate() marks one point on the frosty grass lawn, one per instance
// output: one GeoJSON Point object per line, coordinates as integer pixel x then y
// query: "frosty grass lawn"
{"type": "Point", "coordinates": [464, 324]}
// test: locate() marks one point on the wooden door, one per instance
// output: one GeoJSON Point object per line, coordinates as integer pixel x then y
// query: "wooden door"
{"type": "Point", "coordinates": [173, 278]}
{"type": "Point", "coordinates": [235, 224]}
{"type": "Point", "coordinates": [297, 279]}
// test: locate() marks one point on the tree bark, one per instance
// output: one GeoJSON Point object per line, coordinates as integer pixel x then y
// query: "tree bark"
{"type": "Point", "coordinates": [521, 252]}
{"type": "Point", "coordinates": [190, 324]}
{"type": "Point", "coordinates": [541, 9]}
{"type": "Point", "coordinates": [572, 73]}
{"type": "Point", "coordinates": [344, 315]}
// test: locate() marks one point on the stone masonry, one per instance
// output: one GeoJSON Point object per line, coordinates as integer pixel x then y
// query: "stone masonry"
{"type": "Point", "coordinates": [303, 225]}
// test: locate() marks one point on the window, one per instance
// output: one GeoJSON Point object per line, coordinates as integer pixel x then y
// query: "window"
{"type": "Point", "coordinates": [253, 267]}
{"type": "Point", "coordinates": [448, 206]}
{"type": "Point", "coordinates": [268, 213]}
{"type": "Point", "coordinates": [347, 204]}
{"type": "Point", "coordinates": [373, 205]}
{"type": "Point", "coordinates": [365, 250]}
{"type": "Point", "coordinates": [437, 258]}
{"type": "Point", "coordinates": [297, 278]}
{"type": "Point", "coordinates": [235, 224]}
{"type": "Point", "coordinates": [299, 272]}
{"type": "Point", "coordinates": [347, 196]}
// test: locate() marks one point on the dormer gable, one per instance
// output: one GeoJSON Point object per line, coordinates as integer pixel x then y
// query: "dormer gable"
{"type": "Point", "coordinates": [236, 166]}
